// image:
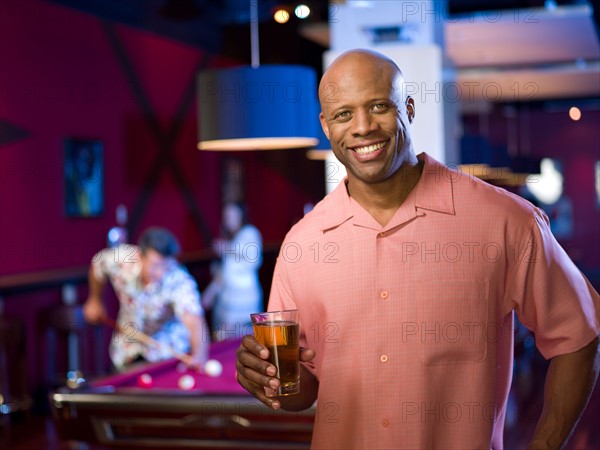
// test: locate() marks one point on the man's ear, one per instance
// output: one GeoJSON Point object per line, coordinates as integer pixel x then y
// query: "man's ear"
{"type": "Point", "coordinates": [410, 109]}
{"type": "Point", "coordinates": [324, 125]}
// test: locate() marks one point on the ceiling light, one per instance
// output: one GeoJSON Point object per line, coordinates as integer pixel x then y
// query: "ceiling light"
{"type": "Point", "coordinates": [257, 107]}
{"type": "Point", "coordinates": [575, 113]}
{"type": "Point", "coordinates": [547, 186]}
{"type": "Point", "coordinates": [281, 16]}
{"type": "Point", "coordinates": [302, 11]}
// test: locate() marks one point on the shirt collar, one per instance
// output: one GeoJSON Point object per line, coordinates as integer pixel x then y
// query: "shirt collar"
{"type": "Point", "coordinates": [433, 192]}
{"type": "Point", "coordinates": [339, 207]}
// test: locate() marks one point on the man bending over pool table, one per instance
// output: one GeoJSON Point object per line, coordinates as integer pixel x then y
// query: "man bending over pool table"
{"type": "Point", "coordinates": [157, 297]}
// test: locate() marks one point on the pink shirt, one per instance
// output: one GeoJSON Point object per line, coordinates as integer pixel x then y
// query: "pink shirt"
{"type": "Point", "coordinates": [412, 323]}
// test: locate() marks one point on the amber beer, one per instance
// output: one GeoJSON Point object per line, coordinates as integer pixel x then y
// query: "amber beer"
{"type": "Point", "coordinates": [281, 337]}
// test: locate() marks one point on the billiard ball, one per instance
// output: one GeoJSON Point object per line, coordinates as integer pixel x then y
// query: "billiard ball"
{"type": "Point", "coordinates": [186, 382]}
{"type": "Point", "coordinates": [145, 380]}
{"type": "Point", "coordinates": [213, 368]}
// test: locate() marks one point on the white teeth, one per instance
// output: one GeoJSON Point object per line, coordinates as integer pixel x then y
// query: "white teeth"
{"type": "Point", "coordinates": [369, 148]}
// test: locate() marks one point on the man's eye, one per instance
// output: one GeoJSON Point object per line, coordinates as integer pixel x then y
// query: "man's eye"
{"type": "Point", "coordinates": [380, 107]}
{"type": "Point", "coordinates": [342, 115]}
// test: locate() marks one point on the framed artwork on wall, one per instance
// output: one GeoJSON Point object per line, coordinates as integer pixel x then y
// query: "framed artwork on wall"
{"type": "Point", "coordinates": [84, 178]}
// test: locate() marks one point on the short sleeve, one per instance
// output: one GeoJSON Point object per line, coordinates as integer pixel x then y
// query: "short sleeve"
{"type": "Point", "coordinates": [107, 262]}
{"type": "Point", "coordinates": [184, 294]}
{"type": "Point", "coordinates": [280, 297]}
{"type": "Point", "coordinates": [553, 299]}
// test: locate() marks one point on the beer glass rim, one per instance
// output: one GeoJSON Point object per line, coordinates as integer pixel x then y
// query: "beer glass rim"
{"type": "Point", "coordinates": [253, 315]}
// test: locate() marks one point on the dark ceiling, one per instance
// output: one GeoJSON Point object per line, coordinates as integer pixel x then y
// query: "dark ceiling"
{"type": "Point", "coordinates": [222, 26]}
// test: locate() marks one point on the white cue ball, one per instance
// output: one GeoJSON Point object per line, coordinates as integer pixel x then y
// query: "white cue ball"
{"type": "Point", "coordinates": [186, 382]}
{"type": "Point", "coordinates": [213, 368]}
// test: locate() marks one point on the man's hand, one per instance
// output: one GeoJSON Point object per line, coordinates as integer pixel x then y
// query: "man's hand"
{"type": "Point", "coordinates": [196, 363]}
{"type": "Point", "coordinates": [257, 375]}
{"type": "Point", "coordinates": [94, 310]}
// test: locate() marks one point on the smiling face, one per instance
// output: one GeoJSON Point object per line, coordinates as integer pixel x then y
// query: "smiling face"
{"type": "Point", "coordinates": [366, 118]}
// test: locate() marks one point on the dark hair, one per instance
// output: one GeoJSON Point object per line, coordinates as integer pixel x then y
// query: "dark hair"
{"type": "Point", "coordinates": [160, 240]}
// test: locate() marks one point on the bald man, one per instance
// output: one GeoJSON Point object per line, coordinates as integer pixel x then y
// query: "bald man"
{"type": "Point", "coordinates": [407, 278]}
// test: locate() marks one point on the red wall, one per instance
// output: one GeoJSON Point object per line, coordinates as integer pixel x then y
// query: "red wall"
{"type": "Point", "coordinates": [61, 76]}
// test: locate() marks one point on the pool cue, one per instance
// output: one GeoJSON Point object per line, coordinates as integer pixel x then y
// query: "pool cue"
{"type": "Point", "coordinates": [147, 340]}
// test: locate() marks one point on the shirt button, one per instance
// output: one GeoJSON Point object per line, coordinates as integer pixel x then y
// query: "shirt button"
{"type": "Point", "coordinates": [384, 294]}
{"type": "Point", "coordinates": [383, 234]}
{"type": "Point", "coordinates": [383, 358]}
{"type": "Point", "coordinates": [385, 423]}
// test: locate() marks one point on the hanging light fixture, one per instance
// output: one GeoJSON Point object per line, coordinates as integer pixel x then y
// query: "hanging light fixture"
{"type": "Point", "coordinates": [259, 107]}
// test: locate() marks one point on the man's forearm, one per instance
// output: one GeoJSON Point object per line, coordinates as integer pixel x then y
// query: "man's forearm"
{"type": "Point", "coordinates": [569, 383]}
{"type": "Point", "coordinates": [309, 387]}
{"type": "Point", "coordinates": [95, 286]}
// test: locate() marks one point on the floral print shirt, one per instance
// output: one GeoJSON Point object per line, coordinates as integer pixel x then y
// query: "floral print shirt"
{"type": "Point", "coordinates": [155, 309]}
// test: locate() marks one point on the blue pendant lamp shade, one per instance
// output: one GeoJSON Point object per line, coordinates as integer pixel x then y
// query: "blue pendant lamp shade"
{"type": "Point", "coordinates": [264, 108]}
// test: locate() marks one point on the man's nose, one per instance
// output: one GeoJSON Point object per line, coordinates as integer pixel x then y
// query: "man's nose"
{"type": "Point", "coordinates": [363, 123]}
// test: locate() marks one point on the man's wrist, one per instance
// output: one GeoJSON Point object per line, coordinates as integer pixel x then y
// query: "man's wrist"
{"type": "Point", "coordinates": [94, 299]}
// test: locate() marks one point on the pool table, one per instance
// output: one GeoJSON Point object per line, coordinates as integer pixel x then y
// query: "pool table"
{"type": "Point", "coordinates": [115, 411]}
